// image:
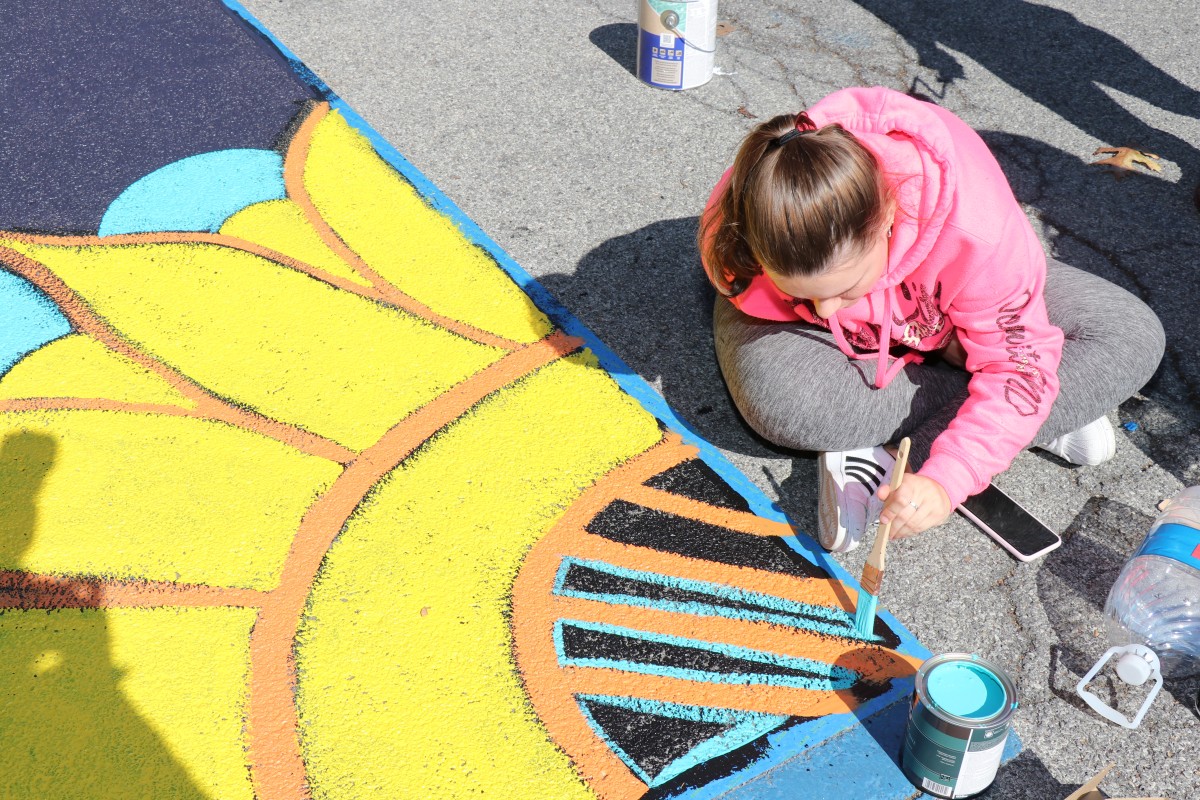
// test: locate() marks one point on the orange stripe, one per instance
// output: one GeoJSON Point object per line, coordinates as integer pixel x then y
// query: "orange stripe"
{"type": "Point", "coordinates": [26, 590]}
{"type": "Point", "coordinates": [85, 320]}
{"type": "Point", "coordinates": [740, 521]}
{"type": "Point", "coordinates": [783, 700]}
{"type": "Point", "coordinates": [277, 765]}
{"type": "Point", "coordinates": [91, 404]}
{"type": "Point", "coordinates": [293, 179]}
{"type": "Point", "coordinates": [875, 664]}
{"type": "Point", "coordinates": [828, 592]}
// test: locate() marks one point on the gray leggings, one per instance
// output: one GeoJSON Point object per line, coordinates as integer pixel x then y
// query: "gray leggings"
{"type": "Point", "coordinates": [796, 389]}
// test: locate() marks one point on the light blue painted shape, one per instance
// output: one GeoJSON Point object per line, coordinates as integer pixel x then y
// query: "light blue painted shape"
{"type": "Point", "coordinates": [823, 677]}
{"type": "Point", "coordinates": [28, 320]}
{"type": "Point", "coordinates": [196, 193]}
{"type": "Point", "coordinates": [778, 610]}
{"type": "Point", "coordinates": [809, 736]}
{"type": "Point", "coordinates": [746, 727]}
{"type": "Point", "coordinates": [967, 690]}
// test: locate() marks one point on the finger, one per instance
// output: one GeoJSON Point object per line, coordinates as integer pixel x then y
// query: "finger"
{"type": "Point", "coordinates": [899, 506]}
{"type": "Point", "coordinates": [908, 517]}
{"type": "Point", "coordinates": [912, 525]}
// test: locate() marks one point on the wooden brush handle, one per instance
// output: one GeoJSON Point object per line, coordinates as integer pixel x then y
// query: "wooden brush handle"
{"type": "Point", "coordinates": [873, 571]}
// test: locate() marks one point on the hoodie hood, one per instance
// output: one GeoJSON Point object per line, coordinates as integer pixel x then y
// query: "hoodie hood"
{"type": "Point", "coordinates": [914, 148]}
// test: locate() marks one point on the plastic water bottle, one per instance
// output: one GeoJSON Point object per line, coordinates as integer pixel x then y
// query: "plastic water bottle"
{"type": "Point", "coordinates": [1153, 610]}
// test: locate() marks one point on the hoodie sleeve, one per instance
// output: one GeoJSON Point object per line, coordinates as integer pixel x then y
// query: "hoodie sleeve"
{"type": "Point", "coordinates": [1012, 354]}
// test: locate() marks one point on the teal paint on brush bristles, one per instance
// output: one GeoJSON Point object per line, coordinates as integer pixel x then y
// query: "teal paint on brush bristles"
{"type": "Point", "coordinates": [872, 574]}
{"type": "Point", "coordinates": [864, 618]}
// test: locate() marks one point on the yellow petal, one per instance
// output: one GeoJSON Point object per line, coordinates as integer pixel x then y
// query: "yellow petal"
{"type": "Point", "coordinates": [419, 250]}
{"type": "Point", "coordinates": [282, 226]}
{"type": "Point", "coordinates": [266, 336]}
{"type": "Point", "coordinates": [142, 496]}
{"type": "Point", "coordinates": [79, 366]}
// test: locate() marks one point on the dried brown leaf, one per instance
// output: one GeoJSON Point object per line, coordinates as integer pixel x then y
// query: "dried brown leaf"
{"type": "Point", "coordinates": [1127, 158]}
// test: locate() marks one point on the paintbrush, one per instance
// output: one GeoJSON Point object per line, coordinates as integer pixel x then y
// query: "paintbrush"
{"type": "Point", "coordinates": [872, 574]}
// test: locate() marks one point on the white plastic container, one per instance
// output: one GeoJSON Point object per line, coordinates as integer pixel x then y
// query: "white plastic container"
{"type": "Point", "coordinates": [677, 40]}
{"type": "Point", "coordinates": [1153, 609]}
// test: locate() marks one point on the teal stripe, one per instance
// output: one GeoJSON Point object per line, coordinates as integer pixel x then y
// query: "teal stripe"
{"type": "Point", "coordinates": [826, 677]}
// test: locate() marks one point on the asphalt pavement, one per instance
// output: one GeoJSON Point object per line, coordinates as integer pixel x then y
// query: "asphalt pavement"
{"type": "Point", "coordinates": [528, 115]}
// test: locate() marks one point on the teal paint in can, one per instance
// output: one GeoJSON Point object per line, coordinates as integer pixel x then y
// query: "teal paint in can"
{"type": "Point", "coordinates": [960, 718]}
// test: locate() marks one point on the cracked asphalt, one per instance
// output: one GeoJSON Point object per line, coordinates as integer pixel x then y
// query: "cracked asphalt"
{"type": "Point", "coordinates": [528, 115]}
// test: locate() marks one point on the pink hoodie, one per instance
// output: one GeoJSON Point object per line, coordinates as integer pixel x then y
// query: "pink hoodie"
{"type": "Point", "coordinates": [963, 257]}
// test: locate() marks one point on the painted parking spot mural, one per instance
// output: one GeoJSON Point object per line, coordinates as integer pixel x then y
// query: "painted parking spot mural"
{"type": "Point", "coordinates": [305, 496]}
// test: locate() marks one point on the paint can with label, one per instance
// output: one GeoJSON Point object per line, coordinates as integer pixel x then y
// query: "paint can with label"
{"type": "Point", "coordinates": [961, 713]}
{"type": "Point", "coordinates": [676, 42]}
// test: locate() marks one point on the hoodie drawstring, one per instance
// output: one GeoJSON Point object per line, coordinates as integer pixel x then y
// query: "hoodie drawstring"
{"type": "Point", "coordinates": [884, 372]}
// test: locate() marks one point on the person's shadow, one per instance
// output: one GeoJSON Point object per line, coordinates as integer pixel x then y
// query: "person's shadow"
{"type": "Point", "coordinates": [1054, 59]}
{"type": "Point", "coordinates": [645, 296]}
{"type": "Point", "coordinates": [66, 728]}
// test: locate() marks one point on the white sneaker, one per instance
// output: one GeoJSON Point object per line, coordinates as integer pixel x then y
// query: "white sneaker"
{"type": "Point", "coordinates": [846, 502]}
{"type": "Point", "coordinates": [1092, 444]}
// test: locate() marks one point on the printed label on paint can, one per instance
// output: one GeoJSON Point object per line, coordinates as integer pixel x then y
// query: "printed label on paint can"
{"type": "Point", "coordinates": [676, 42]}
{"type": "Point", "coordinates": [960, 718]}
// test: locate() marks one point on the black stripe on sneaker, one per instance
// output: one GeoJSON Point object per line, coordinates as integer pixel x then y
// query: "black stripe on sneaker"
{"type": "Point", "coordinates": [864, 468]}
{"type": "Point", "coordinates": [866, 478]}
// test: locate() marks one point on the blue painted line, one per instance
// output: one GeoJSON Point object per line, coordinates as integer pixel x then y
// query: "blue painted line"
{"type": "Point", "coordinates": [824, 677]}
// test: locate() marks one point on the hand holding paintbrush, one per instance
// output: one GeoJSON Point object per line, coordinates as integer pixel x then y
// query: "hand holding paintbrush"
{"type": "Point", "coordinates": [872, 575]}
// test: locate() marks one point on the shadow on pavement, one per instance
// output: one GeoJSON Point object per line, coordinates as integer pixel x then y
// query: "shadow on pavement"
{"type": "Point", "coordinates": [1054, 59]}
{"type": "Point", "coordinates": [645, 296]}
{"type": "Point", "coordinates": [619, 41]}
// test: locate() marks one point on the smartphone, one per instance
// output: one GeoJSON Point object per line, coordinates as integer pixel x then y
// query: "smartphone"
{"type": "Point", "coordinates": [1015, 529]}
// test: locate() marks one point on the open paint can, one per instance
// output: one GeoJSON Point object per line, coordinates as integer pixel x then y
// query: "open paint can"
{"type": "Point", "coordinates": [961, 713]}
{"type": "Point", "coordinates": [676, 42]}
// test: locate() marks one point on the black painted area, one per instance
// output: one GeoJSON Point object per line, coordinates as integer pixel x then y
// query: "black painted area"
{"type": "Point", "coordinates": [650, 740]}
{"type": "Point", "coordinates": [592, 581]}
{"type": "Point", "coordinates": [585, 579]}
{"type": "Point", "coordinates": [628, 523]}
{"type": "Point", "coordinates": [719, 767]}
{"type": "Point", "coordinates": [94, 95]}
{"type": "Point", "coordinates": [699, 481]}
{"type": "Point", "coordinates": [582, 643]}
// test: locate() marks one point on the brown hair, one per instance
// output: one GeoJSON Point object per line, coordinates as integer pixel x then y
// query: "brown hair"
{"type": "Point", "coordinates": [793, 203]}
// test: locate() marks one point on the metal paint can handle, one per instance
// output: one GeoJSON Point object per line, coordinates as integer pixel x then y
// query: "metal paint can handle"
{"type": "Point", "coordinates": [1133, 655]}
